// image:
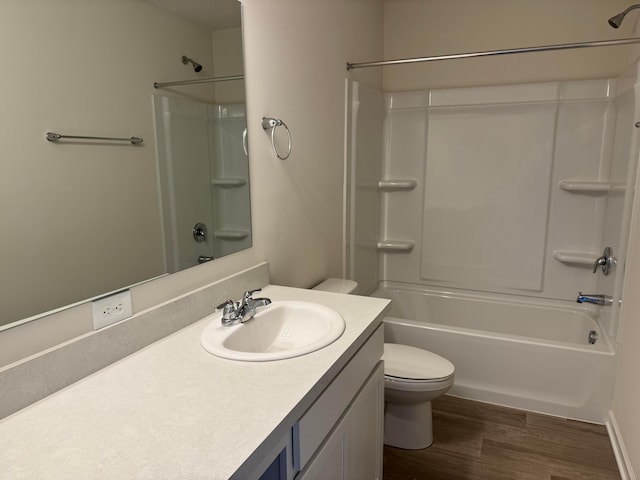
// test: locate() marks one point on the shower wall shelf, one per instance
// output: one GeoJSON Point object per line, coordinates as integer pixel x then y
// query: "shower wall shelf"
{"type": "Point", "coordinates": [228, 182]}
{"type": "Point", "coordinates": [595, 186]}
{"type": "Point", "coordinates": [397, 185]}
{"type": "Point", "coordinates": [395, 245]}
{"type": "Point", "coordinates": [231, 234]}
{"type": "Point", "coordinates": [583, 259]}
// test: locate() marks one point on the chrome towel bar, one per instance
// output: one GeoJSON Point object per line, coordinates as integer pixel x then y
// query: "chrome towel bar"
{"type": "Point", "coordinates": [54, 137]}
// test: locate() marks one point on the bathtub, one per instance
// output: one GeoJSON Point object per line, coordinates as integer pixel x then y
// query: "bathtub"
{"type": "Point", "coordinates": [524, 353]}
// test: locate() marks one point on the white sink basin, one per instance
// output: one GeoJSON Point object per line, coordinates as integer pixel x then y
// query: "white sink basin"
{"type": "Point", "coordinates": [284, 329]}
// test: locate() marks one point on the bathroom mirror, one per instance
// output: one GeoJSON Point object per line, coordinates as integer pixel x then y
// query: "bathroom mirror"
{"type": "Point", "coordinates": [84, 217]}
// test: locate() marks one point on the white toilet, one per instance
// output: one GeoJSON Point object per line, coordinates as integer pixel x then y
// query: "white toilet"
{"type": "Point", "coordinates": [412, 378]}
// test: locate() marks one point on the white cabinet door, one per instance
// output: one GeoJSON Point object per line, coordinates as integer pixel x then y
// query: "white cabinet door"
{"type": "Point", "coordinates": [353, 451]}
{"type": "Point", "coordinates": [329, 463]}
{"type": "Point", "coordinates": [365, 435]}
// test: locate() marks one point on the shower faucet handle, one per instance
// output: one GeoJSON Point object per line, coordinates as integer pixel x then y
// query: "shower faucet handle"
{"type": "Point", "coordinates": [600, 262]}
{"type": "Point", "coordinates": [606, 261]}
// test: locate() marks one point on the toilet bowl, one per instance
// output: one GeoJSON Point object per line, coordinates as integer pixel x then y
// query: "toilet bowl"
{"type": "Point", "coordinates": [412, 378]}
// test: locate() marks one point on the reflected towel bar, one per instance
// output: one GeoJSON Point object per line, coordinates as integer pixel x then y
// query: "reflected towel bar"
{"type": "Point", "coordinates": [54, 137]}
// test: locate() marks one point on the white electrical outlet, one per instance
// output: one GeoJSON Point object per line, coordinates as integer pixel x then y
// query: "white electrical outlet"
{"type": "Point", "coordinates": [111, 309]}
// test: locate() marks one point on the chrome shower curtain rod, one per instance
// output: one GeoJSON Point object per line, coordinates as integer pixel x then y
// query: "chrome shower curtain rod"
{"type": "Point", "coordinates": [201, 80]}
{"type": "Point", "coordinates": [489, 53]}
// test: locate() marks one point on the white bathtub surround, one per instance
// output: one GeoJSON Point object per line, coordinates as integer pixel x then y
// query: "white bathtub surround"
{"type": "Point", "coordinates": [173, 410]}
{"type": "Point", "coordinates": [518, 187]}
{"type": "Point", "coordinates": [519, 352]}
{"type": "Point", "coordinates": [505, 194]}
{"type": "Point", "coordinates": [489, 161]}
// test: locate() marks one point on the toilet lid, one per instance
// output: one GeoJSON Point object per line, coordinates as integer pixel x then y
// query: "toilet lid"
{"type": "Point", "coordinates": [403, 361]}
{"type": "Point", "coordinates": [337, 285]}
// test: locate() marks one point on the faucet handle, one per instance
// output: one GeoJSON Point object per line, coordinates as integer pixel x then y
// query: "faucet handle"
{"type": "Point", "coordinates": [600, 262]}
{"type": "Point", "coordinates": [226, 304]}
{"type": "Point", "coordinates": [228, 309]}
{"type": "Point", "coordinates": [249, 293]}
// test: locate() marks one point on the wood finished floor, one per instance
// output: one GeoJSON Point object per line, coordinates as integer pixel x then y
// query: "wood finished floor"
{"type": "Point", "coordinates": [478, 441]}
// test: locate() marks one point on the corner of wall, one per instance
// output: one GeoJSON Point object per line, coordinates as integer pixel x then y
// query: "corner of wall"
{"type": "Point", "coordinates": [619, 449]}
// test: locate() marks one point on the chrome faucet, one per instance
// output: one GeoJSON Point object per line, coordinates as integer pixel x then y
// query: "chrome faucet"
{"type": "Point", "coordinates": [234, 313]}
{"type": "Point", "coordinates": [596, 299]}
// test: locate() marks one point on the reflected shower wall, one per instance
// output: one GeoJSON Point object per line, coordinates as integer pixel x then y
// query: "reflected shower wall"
{"type": "Point", "coordinates": [203, 173]}
{"type": "Point", "coordinates": [229, 179]}
{"type": "Point", "coordinates": [365, 111]}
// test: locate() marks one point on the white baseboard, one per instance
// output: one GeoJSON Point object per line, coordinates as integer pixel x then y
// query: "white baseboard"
{"type": "Point", "coordinates": [619, 450]}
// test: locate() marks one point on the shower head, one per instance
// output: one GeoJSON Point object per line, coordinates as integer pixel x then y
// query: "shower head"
{"type": "Point", "coordinates": [196, 66]}
{"type": "Point", "coordinates": [616, 20]}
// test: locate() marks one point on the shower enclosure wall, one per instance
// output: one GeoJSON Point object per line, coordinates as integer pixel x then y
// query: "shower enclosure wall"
{"type": "Point", "coordinates": [503, 196]}
{"type": "Point", "coordinates": [204, 180]}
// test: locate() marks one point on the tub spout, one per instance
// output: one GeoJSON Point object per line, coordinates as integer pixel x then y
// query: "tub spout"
{"type": "Point", "coordinates": [596, 299]}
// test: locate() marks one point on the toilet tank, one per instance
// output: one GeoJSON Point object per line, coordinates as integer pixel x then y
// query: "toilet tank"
{"type": "Point", "coordinates": [337, 285]}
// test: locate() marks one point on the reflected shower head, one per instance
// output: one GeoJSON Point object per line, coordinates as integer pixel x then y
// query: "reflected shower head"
{"type": "Point", "coordinates": [616, 20]}
{"type": "Point", "coordinates": [196, 66]}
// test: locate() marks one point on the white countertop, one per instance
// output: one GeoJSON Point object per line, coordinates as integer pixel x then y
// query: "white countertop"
{"type": "Point", "coordinates": [173, 411]}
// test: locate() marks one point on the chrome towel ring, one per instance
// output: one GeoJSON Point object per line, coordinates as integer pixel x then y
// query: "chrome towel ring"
{"type": "Point", "coordinates": [272, 124]}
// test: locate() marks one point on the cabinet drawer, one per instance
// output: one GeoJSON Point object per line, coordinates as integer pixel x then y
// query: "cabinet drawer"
{"type": "Point", "coordinates": [322, 416]}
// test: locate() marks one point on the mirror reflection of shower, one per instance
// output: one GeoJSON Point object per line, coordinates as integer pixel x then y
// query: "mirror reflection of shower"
{"type": "Point", "coordinates": [196, 66]}
{"type": "Point", "coordinates": [616, 20]}
{"type": "Point", "coordinates": [204, 180]}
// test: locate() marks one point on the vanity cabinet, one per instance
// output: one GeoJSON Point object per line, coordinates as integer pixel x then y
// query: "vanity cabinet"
{"type": "Point", "coordinates": [353, 450]}
{"type": "Point", "coordinates": [340, 436]}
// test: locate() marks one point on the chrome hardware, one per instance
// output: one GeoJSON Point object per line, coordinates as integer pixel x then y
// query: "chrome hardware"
{"type": "Point", "coordinates": [204, 258]}
{"type": "Point", "coordinates": [596, 299]}
{"type": "Point", "coordinates": [234, 313]}
{"type": "Point", "coordinates": [54, 137]}
{"type": "Point", "coordinates": [593, 337]}
{"type": "Point", "coordinates": [228, 312]}
{"type": "Point", "coordinates": [196, 66]}
{"type": "Point", "coordinates": [489, 53]}
{"type": "Point", "coordinates": [200, 232]}
{"type": "Point", "coordinates": [272, 124]}
{"type": "Point", "coordinates": [606, 261]}
{"type": "Point", "coordinates": [195, 82]}
{"type": "Point", "coordinates": [245, 146]}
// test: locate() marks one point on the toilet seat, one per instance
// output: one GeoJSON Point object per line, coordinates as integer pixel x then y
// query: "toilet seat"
{"type": "Point", "coordinates": [403, 363]}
